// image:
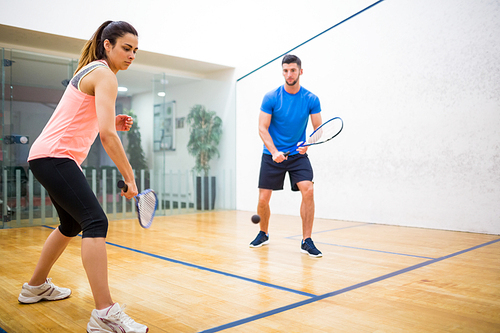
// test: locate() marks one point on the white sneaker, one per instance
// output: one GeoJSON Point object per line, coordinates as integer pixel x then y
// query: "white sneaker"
{"type": "Point", "coordinates": [114, 321]}
{"type": "Point", "coordinates": [47, 291]}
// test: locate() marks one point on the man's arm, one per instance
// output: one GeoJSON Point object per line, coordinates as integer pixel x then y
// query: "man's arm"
{"type": "Point", "coordinates": [316, 122]}
{"type": "Point", "coordinates": [264, 122]}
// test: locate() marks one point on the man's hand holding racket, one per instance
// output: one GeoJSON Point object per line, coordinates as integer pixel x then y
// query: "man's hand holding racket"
{"type": "Point", "coordinates": [304, 145]}
{"type": "Point", "coordinates": [302, 149]}
{"type": "Point", "coordinates": [279, 157]}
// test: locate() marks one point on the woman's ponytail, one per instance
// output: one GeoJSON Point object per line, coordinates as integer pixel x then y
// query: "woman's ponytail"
{"type": "Point", "coordinates": [91, 50]}
{"type": "Point", "coordinates": [94, 48]}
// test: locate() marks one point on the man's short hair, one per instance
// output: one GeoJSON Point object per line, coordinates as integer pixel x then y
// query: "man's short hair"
{"type": "Point", "coordinates": [291, 59]}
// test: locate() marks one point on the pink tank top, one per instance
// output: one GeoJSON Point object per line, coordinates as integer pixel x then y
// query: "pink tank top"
{"type": "Point", "coordinates": [73, 126]}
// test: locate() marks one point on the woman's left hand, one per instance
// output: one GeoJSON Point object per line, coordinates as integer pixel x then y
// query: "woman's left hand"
{"type": "Point", "coordinates": [123, 122]}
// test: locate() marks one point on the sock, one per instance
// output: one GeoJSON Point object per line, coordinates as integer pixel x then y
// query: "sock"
{"type": "Point", "coordinates": [104, 312]}
{"type": "Point", "coordinates": [37, 286]}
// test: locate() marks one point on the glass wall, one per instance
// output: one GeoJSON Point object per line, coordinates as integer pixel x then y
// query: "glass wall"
{"type": "Point", "coordinates": [32, 85]}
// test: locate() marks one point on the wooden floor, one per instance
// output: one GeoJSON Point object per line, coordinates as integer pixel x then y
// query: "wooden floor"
{"type": "Point", "coordinates": [196, 273]}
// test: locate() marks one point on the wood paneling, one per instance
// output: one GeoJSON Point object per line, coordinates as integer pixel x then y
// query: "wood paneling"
{"type": "Point", "coordinates": [196, 272]}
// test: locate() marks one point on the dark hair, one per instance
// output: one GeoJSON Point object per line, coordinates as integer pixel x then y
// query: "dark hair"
{"type": "Point", "coordinates": [291, 59]}
{"type": "Point", "coordinates": [94, 48]}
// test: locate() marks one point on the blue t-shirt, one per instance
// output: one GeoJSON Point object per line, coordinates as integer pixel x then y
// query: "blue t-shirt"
{"type": "Point", "coordinates": [290, 114]}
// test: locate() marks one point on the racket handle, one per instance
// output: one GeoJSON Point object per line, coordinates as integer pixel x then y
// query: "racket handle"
{"type": "Point", "coordinates": [121, 184]}
{"type": "Point", "coordinates": [286, 154]}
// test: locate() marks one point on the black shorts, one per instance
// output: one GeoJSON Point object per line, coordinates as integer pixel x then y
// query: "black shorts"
{"type": "Point", "coordinates": [75, 202]}
{"type": "Point", "coordinates": [272, 174]}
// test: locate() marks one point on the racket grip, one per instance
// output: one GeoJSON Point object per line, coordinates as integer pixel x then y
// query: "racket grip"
{"type": "Point", "coordinates": [286, 154]}
{"type": "Point", "coordinates": [121, 184]}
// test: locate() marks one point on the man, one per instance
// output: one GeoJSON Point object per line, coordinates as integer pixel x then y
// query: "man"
{"type": "Point", "coordinates": [282, 125]}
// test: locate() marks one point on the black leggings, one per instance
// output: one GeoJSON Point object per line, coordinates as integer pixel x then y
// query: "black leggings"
{"type": "Point", "coordinates": [76, 204]}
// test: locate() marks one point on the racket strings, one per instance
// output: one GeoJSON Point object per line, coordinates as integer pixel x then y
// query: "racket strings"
{"type": "Point", "coordinates": [325, 132]}
{"type": "Point", "coordinates": [146, 207]}
{"type": "Point", "coordinates": [316, 136]}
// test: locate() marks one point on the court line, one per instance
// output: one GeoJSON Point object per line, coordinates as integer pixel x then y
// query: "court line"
{"type": "Point", "coordinates": [310, 39]}
{"type": "Point", "coordinates": [343, 290]}
{"type": "Point", "coordinates": [215, 271]}
{"type": "Point", "coordinates": [312, 298]}
{"type": "Point", "coordinates": [335, 229]}
{"type": "Point", "coordinates": [372, 250]}
{"type": "Point", "coordinates": [175, 261]}
{"type": "Point", "coordinates": [358, 248]}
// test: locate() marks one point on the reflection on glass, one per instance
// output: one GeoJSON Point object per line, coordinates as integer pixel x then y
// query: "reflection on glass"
{"type": "Point", "coordinates": [32, 85]}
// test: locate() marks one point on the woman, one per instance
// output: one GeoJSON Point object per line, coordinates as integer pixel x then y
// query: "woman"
{"type": "Point", "coordinates": [86, 109]}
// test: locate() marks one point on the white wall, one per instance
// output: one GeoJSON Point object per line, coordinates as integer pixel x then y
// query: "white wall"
{"type": "Point", "coordinates": [417, 84]}
{"type": "Point", "coordinates": [241, 34]}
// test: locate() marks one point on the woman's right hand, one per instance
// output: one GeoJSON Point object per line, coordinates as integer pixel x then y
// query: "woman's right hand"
{"type": "Point", "coordinates": [131, 190]}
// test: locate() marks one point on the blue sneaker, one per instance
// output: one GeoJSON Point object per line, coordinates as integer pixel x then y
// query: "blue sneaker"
{"type": "Point", "coordinates": [261, 239]}
{"type": "Point", "coordinates": [309, 248]}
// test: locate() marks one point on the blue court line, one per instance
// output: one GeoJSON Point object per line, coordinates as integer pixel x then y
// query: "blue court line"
{"type": "Point", "coordinates": [329, 230]}
{"type": "Point", "coordinates": [372, 250]}
{"type": "Point", "coordinates": [265, 284]}
{"type": "Point", "coordinates": [358, 248]}
{"type": "Point", "coordinates": [310, 39]}
{"type": "Point", "coordinates": [215, 271]}
{"type": "Point", "coordinates": [342, 291]}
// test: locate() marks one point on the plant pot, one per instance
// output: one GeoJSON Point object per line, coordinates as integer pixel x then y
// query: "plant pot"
{"type": "Point", "coordinates": [208, 193]}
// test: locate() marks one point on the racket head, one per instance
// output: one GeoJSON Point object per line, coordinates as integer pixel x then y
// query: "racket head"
{"type": "Point", "coordinates": [327, 131]}
{"type": "Point", "coordinates": [146, 203]}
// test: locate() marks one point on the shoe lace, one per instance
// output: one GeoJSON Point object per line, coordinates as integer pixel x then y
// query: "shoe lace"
{"type": "Point", "coordinates": [49, 283]}
{"type": "Point", "coordinates": [310, 244]}
{"type": "Point", "coordinates": [124, 318]}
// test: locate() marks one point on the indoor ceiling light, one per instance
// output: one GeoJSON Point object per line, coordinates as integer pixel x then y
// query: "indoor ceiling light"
{"type": "Point", "coordinates": [161, 94]}
{"type": "Point", "coordinates": [123, 89]}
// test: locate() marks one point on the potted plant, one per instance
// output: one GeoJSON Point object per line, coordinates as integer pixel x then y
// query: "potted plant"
{"type": "Point", "coordinates": [134, 148]}
{"type": "Point", "coordinates": [205, 134]}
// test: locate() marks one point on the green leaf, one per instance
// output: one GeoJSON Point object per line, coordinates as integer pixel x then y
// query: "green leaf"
{"type": "Point", "coordinates": [204, 137]}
